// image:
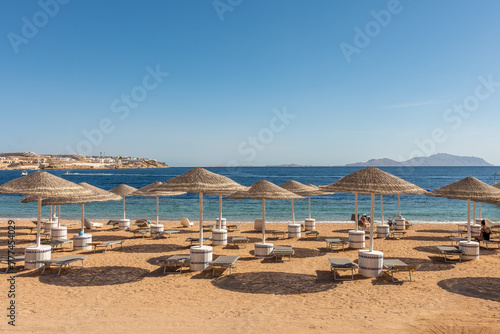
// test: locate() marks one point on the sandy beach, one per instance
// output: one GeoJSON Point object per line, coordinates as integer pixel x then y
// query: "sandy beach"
{"type": "Point", "coordinates": [126, 291]}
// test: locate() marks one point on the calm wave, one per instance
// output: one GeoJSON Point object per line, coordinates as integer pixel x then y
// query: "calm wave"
{"type": "Point", "coordinates": [337, 207]}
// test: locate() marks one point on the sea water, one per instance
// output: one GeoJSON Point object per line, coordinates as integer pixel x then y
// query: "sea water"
{"type": "Point", "coordinates": [327, 208]}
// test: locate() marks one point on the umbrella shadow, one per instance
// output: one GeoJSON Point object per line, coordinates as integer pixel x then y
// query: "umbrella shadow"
{"type": "Point", "coordinates": [425, 238]}
{"type": "Point", "coordinates": [275, 283]}
{"type": "Point", "coordinates": [96, 276]}
{"type": "Point", "coordinates": [477, 287]}
{"type": "Point", "coordinates": [434, 231]}
{"type": "Point", "coordinates": [152, 248]}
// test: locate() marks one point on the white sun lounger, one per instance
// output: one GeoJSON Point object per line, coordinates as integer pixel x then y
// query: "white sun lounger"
{"type": "Point", "coordinates": [395, 265]}
{"type": "Point", "coordinates": [11, 260]}
{"type": "Point", "coordinates": [61, 262]}
{"type": "Point", "coordinates": [106, 244]}
{"type": "Point", "coordinates": [450, 251]}
{"type": "Point", "coordinates": [335, 244]}
{"type": "Point", "coordinates": [337, 264]}
{"type": "Point", "coordinates": [283, 250]}
{"type": "Point", "coordinates": [177, 261]}
{"type": "Point", "coordinates": [224, 262]}
{"type": "Point", "coordinates": [55, 243]}
{"type": "Point", "coordinates": [486, 243]}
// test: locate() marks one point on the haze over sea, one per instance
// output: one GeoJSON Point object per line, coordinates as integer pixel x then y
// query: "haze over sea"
{"type": "Point", "coordinates": [328, 208]}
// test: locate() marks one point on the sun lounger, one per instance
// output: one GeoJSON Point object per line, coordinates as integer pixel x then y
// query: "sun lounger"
{"type": "Point", "coordinates": [208, 227]}
{"type": "Point", "coordinates": [310, 234]}
{"type": "Point", "coordinates": [397, 234]}
{"type": "Point", "coordinates": [11, 261]}
{"type": "Point", "coordinates": [61, 262]}
{"type": "Point", "coordinates": [395, 265]}
{"type": "Point", "coordinates": [55, 243]}
{"type": "Point", "coordinates": [233, 227]}
{"type": "Point", "coordinates": [239, 241]}
{"type": "Point", "coordinates": [106, 244]}
{"type": "Point", "coordinates": [177, 261]}
{"type": "Point", "coordinates": [91, 225]}
{"type": "Point", "coordinates": [276, 234]}
{"type": "Point", "coordinates": [141, 224]}
{"type": "Point", "coordinates": [457, 232]}
{"type": "Point", "coordinates": [335, 244]}
{"type": "Point", "coordinates": [186, 223]}
{"type": "Point", "coordinates": [337, 264]}
{"type": "Point", "coordinates": [283, 250]}
{"type": "Point", "coordinates": [487, 243]}
{"type": "Point", "coordinates": [167, 233]}
{"type": "Point", "coordinates": [224, 262]}
{"type": "Point", "coordinates": [143, 232]}
{"type": "Point", "coordinates": [450, 251]}
{"type": "Point", "coordinates": [197, 240]}
{"type": "Point", "coordinates": [456, 240]}
{"type": "Point", "coordinates": [114, 223]}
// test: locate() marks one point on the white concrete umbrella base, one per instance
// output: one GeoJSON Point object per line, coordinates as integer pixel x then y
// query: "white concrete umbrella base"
{"type": "Point", "coordinates": [370, 263]}
{"type": "Point", "coordinates": [124, 224]}
{"type": "Point", "coordinates": [34, 253]}
{"type": "Point", "coordinates": [475, 230]}
{"type": "Point", "coordinates": [156, 229]}
{"type": "Point", "coordinates": [223, 223]}
{"type": "Point", "coordinates": [82, 242]}
{"type": "Point", "coordinates": [48, 226]}
{"type": "Point", "coordinates": [356, 239]}
{"type": "Point", "coordinates": [382, 231]}
{"type": "Point", "coordinates": [59, 233]}
{"type": "Point", "coordinates": [201, 256]}
{"type": "Point", "coordinates": [219, 237]}
{"type": "Point", "coordinates": [471, 250]}
{"type": "Point", "coordinates": [400, 223]}
{"type": "Point", "coordinates": [294, 231]}
{"type": "Point", "coordinates": [263, 250]}
{"type": "Point", "coordinates": [310, 224]}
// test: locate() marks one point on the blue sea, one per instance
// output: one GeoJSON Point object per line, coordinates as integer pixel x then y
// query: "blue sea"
{"type": "Point", "coordinates": [330, 208]}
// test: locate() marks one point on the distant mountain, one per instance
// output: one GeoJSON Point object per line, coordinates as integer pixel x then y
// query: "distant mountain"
{"type": "Point", "coordinates": [440, 159]}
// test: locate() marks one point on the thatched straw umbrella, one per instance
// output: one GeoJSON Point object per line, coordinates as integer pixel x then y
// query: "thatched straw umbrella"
{"type": "Point", "coordinates": [469, 189]}
{"type": "Point", "coordinates": [264, 190]}
{"type": "Point", "coordinates": [201, 181]}
{"type": "Point", "coordinates": [42, 185]}
{"type": "Point", "coordinates": [146, 192]}
{"type": "Point", "coordinates": [373, 181]}
{"type": "Point", "coordinates": [96, 195]}
{"type": "Point", "coordinates": [123, 190]}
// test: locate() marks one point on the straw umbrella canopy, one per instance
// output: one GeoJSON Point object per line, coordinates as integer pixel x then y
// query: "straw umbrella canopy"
{"type": "Point", "coordinates": [497, 185]}
{"type": "Point", "coordinates": [123, 190]}
{"type": "Point", "coordinates": [42, 185]}
{"type": "Point", "coordinates": [373, 181]}
{"type": "Point", "coordinates": [264, 190]}
{"type": "Point", "coordinates": [469, 189]}
{"type": "Point", "coordinates": [201, 181]}
{"type": "Point", "coordinates": [303, 190]}
{"type": "Point", "coordinates": [145, 191]}
{"type": "Point", "coordinates": [96, 195]}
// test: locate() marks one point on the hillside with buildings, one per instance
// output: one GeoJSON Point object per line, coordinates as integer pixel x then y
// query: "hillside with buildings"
{"type": "Point", "coordinates": [33, 161]}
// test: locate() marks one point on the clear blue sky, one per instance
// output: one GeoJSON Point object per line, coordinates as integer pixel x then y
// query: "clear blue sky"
{"type": "Point", "coordinates": [357, 79]}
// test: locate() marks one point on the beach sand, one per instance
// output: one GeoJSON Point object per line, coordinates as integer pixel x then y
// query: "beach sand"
{"type": "Point", "coordinates": [125, 291]}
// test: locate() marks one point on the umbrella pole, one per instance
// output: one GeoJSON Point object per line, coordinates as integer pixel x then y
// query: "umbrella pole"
{"type": "Point", "coordinates": [201, 219]}
{"type": "Point", "coordinates": [157, 215]}
{"type": "Point", "coordinates": [468, 221]}
{"type": "Point", "coordinates": [474, 219]}
{"type": "Point", "coordinates": [293, 214]}
{"type": "Point", "coordinates": [59, 215]}
{"type": "Point", "coordinates": [39, 221]}
{"type": "Point", "coordinates": [124, 208]}
{"type": "Point", "coordinates": [356, 210]}
{"type": "Point", "coordinates": [220, 212]}
{"type": "Point", "coordinates": [382, 208]}
{"type": "Point", "coordinates": [83, 218]}
{"type": "Point", "coordinates": [372, 213]}
{"type": "Point", "coordinates": [264, 221]}
{"type": "Point", "coordinates": [309, 202]}
{"type": "Point", "coordinates": [399, 206]}
{"type": "Point", "coordinates": [480, 217]}
{"type": "Point", "coordinates": [50, 217]}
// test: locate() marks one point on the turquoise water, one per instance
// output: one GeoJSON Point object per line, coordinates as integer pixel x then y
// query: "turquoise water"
{"type": "Point", "coordinates": [337, 207]}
